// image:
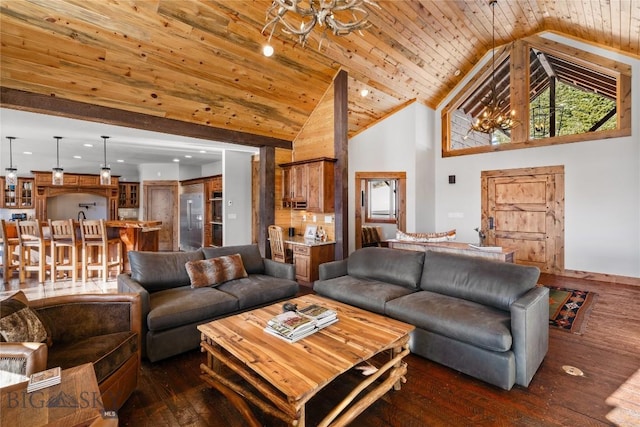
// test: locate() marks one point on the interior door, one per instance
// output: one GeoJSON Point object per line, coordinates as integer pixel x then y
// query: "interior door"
{"type": "Point", "coordinates": [161, 203]}
{"type": "Point", "coordinates": [524, 209]}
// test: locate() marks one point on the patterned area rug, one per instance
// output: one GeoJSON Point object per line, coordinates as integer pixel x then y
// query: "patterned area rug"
{"type": "Point", "coordinates": [569, 309]}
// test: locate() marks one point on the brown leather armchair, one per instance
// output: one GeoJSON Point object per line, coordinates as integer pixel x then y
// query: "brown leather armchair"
{"type": "Point", "coordinates": [102, 329]}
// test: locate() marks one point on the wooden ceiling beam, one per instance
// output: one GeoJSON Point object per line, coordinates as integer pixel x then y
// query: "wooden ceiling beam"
{"type": "Point", "coordinates": [27, 101]}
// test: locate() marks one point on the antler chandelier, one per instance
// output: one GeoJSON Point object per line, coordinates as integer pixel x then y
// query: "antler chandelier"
{"type": "Point", "coordinates": [299, 17]}
{"type": "Point", "coordinates": [492, 117]}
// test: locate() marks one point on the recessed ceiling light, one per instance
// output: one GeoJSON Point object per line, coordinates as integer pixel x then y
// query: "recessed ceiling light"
{"type": "Point", "coordinates": [202, 151]}
{"type": "Point", "coordinates": [364, 92]}
{"type": "Point", "coordinates": [77, 157]}
{"type": "Point", "coordinates": [27, 152]}
{"type": "Point", "coordinates": [88, 145]}
{"type": "Point", "coordinates": [267, 50]}
{"type": "Point", "coordinates": [456, 73]}
{"type": "Point", "coordinates": [176, 160]}
{"type": "Point", "coordinates": [187, 156]}
{"type": "Point", "coordinates": [120, 161]}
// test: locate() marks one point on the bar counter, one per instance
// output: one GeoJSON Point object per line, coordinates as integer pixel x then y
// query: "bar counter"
{"type": "Point", "coordinates": [135, 236]}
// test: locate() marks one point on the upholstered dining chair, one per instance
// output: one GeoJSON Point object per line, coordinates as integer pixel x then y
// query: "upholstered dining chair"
{"type": "Point", "coordinates": [10, 259]}
{"type": "Point", "coordinates": [65, 248]}
{"type": "Point", "coordinates": [95, 239]}
{"type": "Point", "coordinates": [33, 249]}
{"type": "Point", "coordinates": [279, 252]}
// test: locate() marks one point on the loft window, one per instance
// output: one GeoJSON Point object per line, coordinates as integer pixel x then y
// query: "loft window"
{"type": "Point", "coordinates": [557, 95]}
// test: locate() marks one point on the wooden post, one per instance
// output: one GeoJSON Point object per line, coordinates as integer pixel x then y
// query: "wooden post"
{"type": "Point", "coordinates": [341, 172]}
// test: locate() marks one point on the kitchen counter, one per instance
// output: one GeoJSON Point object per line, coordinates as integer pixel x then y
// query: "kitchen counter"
{"type": "Point", "coordinates": [301, 240]}
{"type": "Point", "coordinates": [131, 223]}
{"type": "Point", "coordinates": [136, 236]}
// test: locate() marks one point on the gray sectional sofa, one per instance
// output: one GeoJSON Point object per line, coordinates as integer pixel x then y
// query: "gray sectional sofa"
{"type": "Point", "coordinates": [171, 308]}
{"type": "Point", "coordinates": [484, 318]}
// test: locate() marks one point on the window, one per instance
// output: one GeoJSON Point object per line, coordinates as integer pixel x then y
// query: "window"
{"type": "Point", "coordinates": [381, 201]}
{"type": "Point", "coordinates": [556, 95]}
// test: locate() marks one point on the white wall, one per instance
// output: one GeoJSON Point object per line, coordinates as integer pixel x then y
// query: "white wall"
{"type": "Point", "coordinates": [236, 190]}
{"type": "Point", "coordinates": [398, 144]}
{"type": "Point", "coordinates": [602, 181]}
{"type": "Point", "coordinates": [212, 169]}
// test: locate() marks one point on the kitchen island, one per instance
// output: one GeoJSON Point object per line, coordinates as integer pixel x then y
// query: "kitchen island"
{"type": "Point", "coordinates": [135, 236]}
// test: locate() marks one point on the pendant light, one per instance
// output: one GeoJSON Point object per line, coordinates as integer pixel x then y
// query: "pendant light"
{"type": "Point", "coordinates": [57, 176]}
{"type": "Point", "coordinates": [105, 171]}
{"type": "Point", "coordinates": [493, 118]}
{"type": "Point", "coordinates": [11, 179]}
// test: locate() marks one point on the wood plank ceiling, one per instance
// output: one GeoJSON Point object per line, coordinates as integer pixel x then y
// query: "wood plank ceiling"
{"type": "Point", "coordinates": [201, 61]}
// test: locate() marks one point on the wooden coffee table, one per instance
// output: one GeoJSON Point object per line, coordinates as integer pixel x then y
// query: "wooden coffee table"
{"type": "Point", "coordinates": [280, 377]}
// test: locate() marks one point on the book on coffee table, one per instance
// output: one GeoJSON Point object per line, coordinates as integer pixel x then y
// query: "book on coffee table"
{"type": "Point", "coordinates": [44, 379]}
{"type": "Point", "coordinates": [295, 325]}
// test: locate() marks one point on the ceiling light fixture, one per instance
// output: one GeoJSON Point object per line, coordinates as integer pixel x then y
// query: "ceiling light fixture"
{"type": "Point", "coordinates": [492, 119]}
{"type": "Point", "coordinates": [267, 50]}
{"type": "Point", "coordinates": [105, 171]}
{"type": "Point", "coordinates": [342, 17]}
{"type": "Point", "coordinates": [57, 175]}
{"type": "Point", "coordinates": [11, 179]}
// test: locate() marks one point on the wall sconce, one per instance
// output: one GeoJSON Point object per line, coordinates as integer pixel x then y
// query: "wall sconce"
{"type": "Point", "coordinates": [11, 179]}
{"type": "Point", "coordinates": [57, 175]}
{"type": "Point", "coordinates": [105, 171]}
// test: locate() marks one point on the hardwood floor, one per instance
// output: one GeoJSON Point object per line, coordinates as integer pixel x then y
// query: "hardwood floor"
{"type": "Point", "coordinates": [171, 393]}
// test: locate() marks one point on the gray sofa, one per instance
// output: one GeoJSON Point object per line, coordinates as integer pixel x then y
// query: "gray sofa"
{"type": "Point", "coordinates": [171, 308]}
{"type": "Point", "coordinates": [484, 318]}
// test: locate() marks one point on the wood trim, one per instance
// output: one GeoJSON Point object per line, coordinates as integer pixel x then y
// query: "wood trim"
{"type": "Point", "coordinates": [341, 171]}
{"type": "Point", "coordinates": [601, 277]}
{"type": "Point", "coordinates": [28, 101]}
{"type": "Point", "coordinates": [402, 199]}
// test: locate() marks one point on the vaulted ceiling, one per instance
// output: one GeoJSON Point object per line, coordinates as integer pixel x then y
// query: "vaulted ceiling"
{"type": "Point", "coordinates": [200, 61]}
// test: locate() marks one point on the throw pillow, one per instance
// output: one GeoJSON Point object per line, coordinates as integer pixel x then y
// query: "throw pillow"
{"type": "Point", "coordinates": [20, 323]}
{"type": "Point", "coordinates": [215, 271]}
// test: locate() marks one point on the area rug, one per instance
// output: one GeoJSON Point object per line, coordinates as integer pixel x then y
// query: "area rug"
{"type": "Point", "coordinates": [569, 308]}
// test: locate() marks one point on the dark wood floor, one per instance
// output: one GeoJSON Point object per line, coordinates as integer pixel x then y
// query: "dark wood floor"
{"type": "Point", "coordinates": [171, 393]}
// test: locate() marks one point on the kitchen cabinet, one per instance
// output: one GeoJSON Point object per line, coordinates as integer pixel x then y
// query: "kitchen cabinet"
{"type": "Point", "coordinates": [308, 185]}
{"type": "Point", "coordinates": [213, 211]}
{"type": "Point", "coordinates": [129, 195]}
{"type": "Point", "coordinates": [308, 257]}
{"type": "Point", "coordinates": [18, 196]}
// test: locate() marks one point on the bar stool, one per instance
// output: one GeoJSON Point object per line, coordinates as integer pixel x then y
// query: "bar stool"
{"type": "Point", "coordinates": [94, 237]}
{"type": "Point", "coordinates": [65, 247]}
{"type": "Point", "coordinates": [10, 259]}
{"type": "Point", "coordinates": [31, 238]}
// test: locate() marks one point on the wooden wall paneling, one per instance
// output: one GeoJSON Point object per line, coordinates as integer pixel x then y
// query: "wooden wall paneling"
{"type": "Point", "coordinates": [316, 137]}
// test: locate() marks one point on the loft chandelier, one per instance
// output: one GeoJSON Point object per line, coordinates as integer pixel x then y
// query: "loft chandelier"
{"type": "Point", "coordinates": [299, 17]}
{"type": "Point", "coordinates": [492, 118]}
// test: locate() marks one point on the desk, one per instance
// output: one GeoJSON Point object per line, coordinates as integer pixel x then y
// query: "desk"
{"type": "Point", "coordinates": [506, 255]}
{"type": "Point", "coordinates": [75, 401]}
{"type": "Point", "coordinates": [308, 255]}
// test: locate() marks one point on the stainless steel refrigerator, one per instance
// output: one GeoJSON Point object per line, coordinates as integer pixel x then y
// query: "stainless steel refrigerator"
{"type": "Point", "coordinates": [191, 221]}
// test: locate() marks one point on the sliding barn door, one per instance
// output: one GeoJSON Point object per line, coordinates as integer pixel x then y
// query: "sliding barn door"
{"type": "Point", "coordinates": [524, 209]}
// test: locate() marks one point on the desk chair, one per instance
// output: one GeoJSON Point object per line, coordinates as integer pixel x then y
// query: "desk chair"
{"type": "Point", "coordinates": [9, 242]}
{"type": "Point", "coordinates": [94, 237]}
{"type": "Point", "coordinates": [65, 248]}
{"type": "Point", "coordinates": [278, 251]}
{"type": "Point", "coordinates": [32, 239]}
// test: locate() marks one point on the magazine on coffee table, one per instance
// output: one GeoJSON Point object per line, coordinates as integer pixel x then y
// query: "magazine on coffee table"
{"type": "Point", "coordinates": [295, 325]}
{"type": "Point", "coordinates": [44, 379]}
